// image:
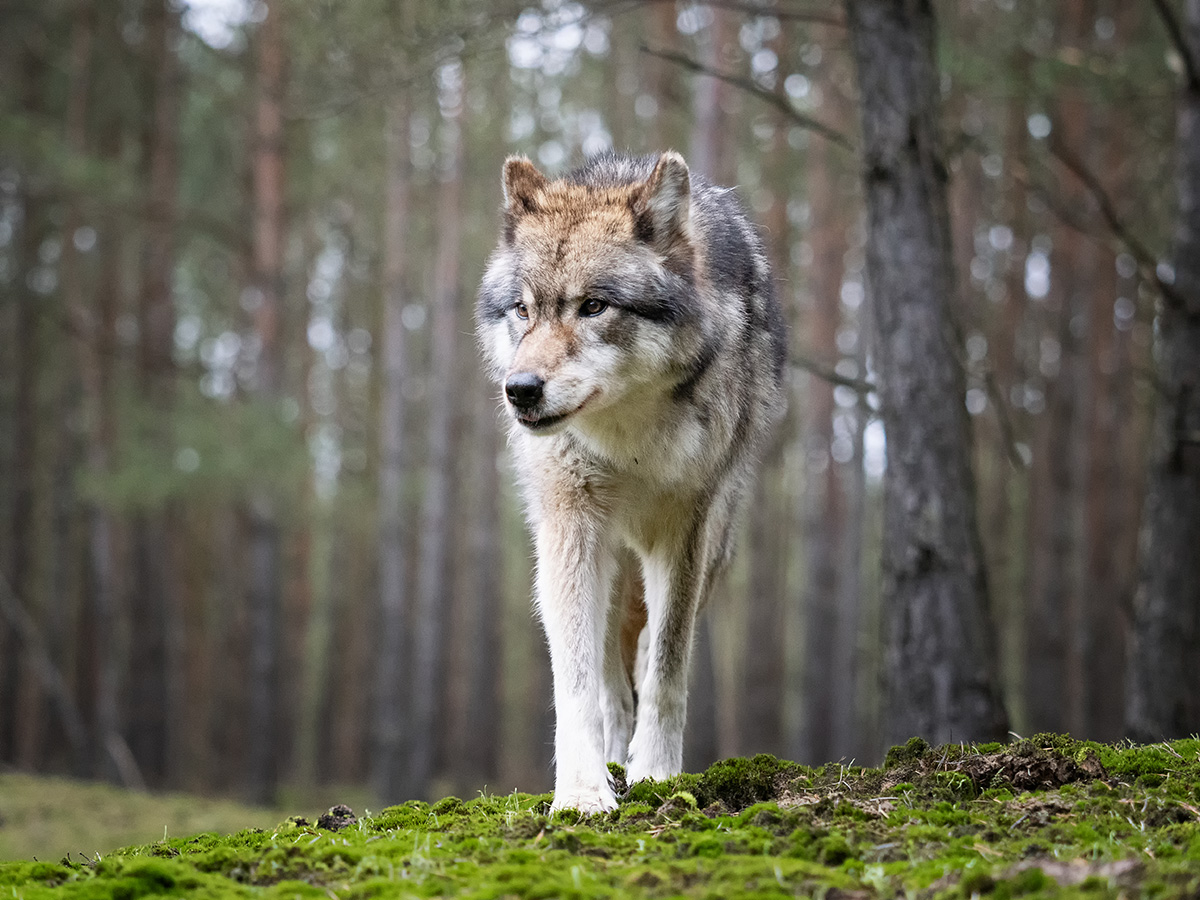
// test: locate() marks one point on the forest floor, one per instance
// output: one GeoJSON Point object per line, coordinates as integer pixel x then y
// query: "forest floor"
{"type": "Point", "coordinates": [1044, 817]}
{"type": "Point", "coordinates": [47, 817]}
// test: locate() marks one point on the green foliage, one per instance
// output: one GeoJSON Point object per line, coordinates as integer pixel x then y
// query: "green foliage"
{"type": "Point", "coordinates": [745, 828]}
{"type": "Point", "coordinates": [913, 750]}
{"type": "Point", "coordinates": [205, 450]}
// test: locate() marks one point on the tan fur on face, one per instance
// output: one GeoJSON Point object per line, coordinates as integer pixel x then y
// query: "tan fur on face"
{"type": "Point", "coordinates": [571, 228]}
{"type": "Point", "coordinates": [547, 345]}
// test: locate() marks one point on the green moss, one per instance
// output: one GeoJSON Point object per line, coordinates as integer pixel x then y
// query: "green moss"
{"type": "Point", "coordinates": [1030, 881]}
{"type": "Point", "coordinates": [929, 824]}
{"type": "Point", "coordinates": [912, 751]}
{"type": "Point", "coordinates": [739, 783]}
{"type": "Point", "coordinates": [833, 850]}
{"type": "Point", "coordinates": [976, 883]}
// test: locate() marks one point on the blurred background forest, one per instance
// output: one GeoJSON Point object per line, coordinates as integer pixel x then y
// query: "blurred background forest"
{"type": "Point", "coordinates": [259, 529]}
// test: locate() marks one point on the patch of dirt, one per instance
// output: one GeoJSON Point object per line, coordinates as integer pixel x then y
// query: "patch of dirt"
{"type": "Point", "coordinates": [875, 807]}
{"type": "Point", "coordinates": [1022, 767]}
{"type": "Point", "coordinates": [1123, 873]}
{"type": "Point", "coordinates": [337, 818]}
{"type": "Point", "coordinates": [1030, 769]}
{"type": "Point", "coordinates": [1039, 811]}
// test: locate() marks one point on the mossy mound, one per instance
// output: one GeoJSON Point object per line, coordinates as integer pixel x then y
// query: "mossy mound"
{"type": "Point", "coordinates": [1046, 817]}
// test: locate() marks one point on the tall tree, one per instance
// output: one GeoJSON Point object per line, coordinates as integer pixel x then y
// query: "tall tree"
{"type": "Point", "coordinates": [1163, 698]}
{"type": "Point", "coordinates": [708, 155]}
{"type": "Point", "coordinates": [432, 600]}
{"type": "Point", "coordinates": [941, 677]}
{"type": "Point", "coordinates": [19, 687]}
{"type": "Point", "coordinates": [83, 30]}
{"type": "Point", "coordinates": [761, 715]}
{"type": "Point", "coordinates": [1055, 615]}
{"type": "Point", "coordinates": [388, 758]}
{"type": "Point", "coordinates": [823, 502]}
{"type": "Point", "coordinates": [268, 159]}
{"type": "Point", "coordinates": [153, 590]}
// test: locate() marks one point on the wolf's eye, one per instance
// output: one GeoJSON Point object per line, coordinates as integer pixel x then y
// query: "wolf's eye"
{"type": "Point", "coordinates": [522, 311]}
{"type": "Point", "coordinates": [592, 307]}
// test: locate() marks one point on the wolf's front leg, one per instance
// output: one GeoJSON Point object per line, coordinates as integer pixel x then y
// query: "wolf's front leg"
{"type": "Point", "coordinates": [672, 599]}
{"type": "Point", "coordinates": [574, 576]}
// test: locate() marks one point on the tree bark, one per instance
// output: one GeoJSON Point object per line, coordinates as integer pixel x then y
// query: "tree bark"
{"type": "Point", "coordinates": [1006, 485]}
{"type": "Point", "coordinates": [264, 538]}
{"type": "Point", "coordinates": [392, 662]}
{"type": "Point", "coordinates": [941, 680]}
{"type": "Point", "coordinates": [823, 503]}
{"type": "Point", "coordinates": [481, 733]}
{"type": "Point", "coordinates": [662, 83]}
{"type": "Point", "coordinates": [93, 326]}
{"type": "Point", "coordinates": [20, 690]}
{"type": "Point", "coordinates": [706, 155]}
{"type": "Point", "coordinates": [437, 506]}
{"type": "Point", "coordinates": [153, 686]}
{"type": "Point", "coordinates": [710, 147]}
{"type": "Point", "coordinates": [1163, 699]}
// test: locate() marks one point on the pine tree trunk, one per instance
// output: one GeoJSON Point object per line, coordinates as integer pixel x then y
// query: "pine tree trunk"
{"type": "Point", "coordinates": [1163, 698]}
{"type": "Point", "coordinates": [19, 689]}
{"type": "Point", "coordinates": [94, 325]}
{"type": "Point", "coordinates": [264, 538]}
{"type": "Point", "coordinates": [91, 316]}
{"type": "Point", "coordinates": [481, 732]}
{"type": "Point", "coordinates": [710, 153]}
{"type": "Point", "coordinates": [1007, 482]}
{"type": "Point", "coordinates": [153, 684]}
{"type": "Point", "coordinates": [824, 513]}
{"type": "Point", "coordinates": [388, 756]}
{"type": "Point", "coordinates": [762, 695]}
{"type": "Point", "coordinates": [941, 680]}
{"type": "Point", "coordinates": [433, 597]}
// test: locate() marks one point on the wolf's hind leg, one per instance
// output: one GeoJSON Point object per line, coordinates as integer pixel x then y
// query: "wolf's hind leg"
{"type": "Point", "coordinates": [673, 586]}
{"type": "Point", "coordinates": [626, 617]}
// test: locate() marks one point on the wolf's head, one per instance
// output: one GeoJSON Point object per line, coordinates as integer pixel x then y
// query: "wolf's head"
{"type": "Point", "coordinates": [589, 299]}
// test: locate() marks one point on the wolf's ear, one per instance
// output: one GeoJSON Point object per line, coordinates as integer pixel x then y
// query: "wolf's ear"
{"type": "Point", "coordinates": [522, 183]}
{"type": "Point", "coordinates": [663, 206]}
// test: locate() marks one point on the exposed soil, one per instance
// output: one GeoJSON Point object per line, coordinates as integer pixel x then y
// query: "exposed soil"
{"type": "Point", "coordinates": [338, 817]}
{"type": "Point", "coordinates": [1023, 766]}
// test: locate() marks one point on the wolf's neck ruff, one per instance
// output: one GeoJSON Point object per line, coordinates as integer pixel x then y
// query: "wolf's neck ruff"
{"type": "Point", "coordinates": [629, 319]}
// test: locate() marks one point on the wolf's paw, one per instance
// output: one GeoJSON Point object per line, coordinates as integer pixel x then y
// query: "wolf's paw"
{"type": "Point", "coordinates": [636, 773]}
{"type": "Point", "coordinates": [587, 800]}
{"type": "Point", "coordinates": [656, 750]}
{"type": "Point", "coordinates": [655, 766]}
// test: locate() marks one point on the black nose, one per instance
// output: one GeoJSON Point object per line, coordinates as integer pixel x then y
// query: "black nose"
{"type": "Point", "coordinates": [524, 390]}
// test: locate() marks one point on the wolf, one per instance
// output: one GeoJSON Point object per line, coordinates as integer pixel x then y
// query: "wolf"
{"type": "Point", "coordinates": [629, 318]}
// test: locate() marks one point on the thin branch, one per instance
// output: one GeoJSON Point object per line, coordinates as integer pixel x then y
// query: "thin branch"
{"type": "Point", "coordinates": [752, 87]}
{"type": "Point", "coordinates": [749, 7]}
{"type": "Point", "coordinates": [1076, 221]}
{"type": "Point", "coordinates": [1117, 225]}
{"type": "Point", "coordinates": [1175, 31]}
{"type": "Point", "coordinates": [775, 12]}
{"type": "Point", "coordinates": [860, 386]}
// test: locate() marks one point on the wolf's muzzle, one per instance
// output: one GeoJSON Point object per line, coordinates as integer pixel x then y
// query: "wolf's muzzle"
{"type": "Point", "coordinates": [524, 390]}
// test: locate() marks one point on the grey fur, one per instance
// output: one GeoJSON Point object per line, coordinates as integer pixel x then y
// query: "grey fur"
{"type": "Point", "coordinates": [647, 433]}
